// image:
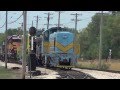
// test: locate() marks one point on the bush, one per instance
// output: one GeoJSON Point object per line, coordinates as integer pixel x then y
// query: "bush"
{"type": "Point", "coordinates": [104, 66]}
{"type": "Point", "coordinates": [93, 66]}
{"type": "Point", "coordinates": [78, 65]}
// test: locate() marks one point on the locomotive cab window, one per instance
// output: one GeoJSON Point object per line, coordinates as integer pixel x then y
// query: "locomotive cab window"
{"type": "Point", "coordinates": [46, 36]}
{"type": "Point", "coordinates": [16, 40]}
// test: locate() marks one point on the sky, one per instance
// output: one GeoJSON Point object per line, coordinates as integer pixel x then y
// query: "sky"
{"type": "Point", "coordinates": [84, 17]}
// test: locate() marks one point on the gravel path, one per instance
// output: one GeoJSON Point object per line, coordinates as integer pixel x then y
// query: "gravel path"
{"type": "Point", "coordinates": [46, 73]}
{"type": "Point", "coordinates": [52, 74]}
{"type": "Point", "coordinates": [10, 65]}
{"type": "Point", "coordinates": [100, 74]}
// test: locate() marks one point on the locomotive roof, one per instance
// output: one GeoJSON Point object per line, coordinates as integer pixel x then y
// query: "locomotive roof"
{"type": "Point", "coordinates": [61, 32]}
{"type": "Point", "coordinates": [13, 37]}
{"type": "Point", "coordinates": [54, 29]}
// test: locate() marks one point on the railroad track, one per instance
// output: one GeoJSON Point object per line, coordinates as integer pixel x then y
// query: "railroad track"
{"type": "Point", "coordinates": [72, 74]}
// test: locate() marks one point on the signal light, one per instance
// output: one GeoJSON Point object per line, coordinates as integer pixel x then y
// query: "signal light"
{"type": "Point", "coordinates": [32, 31]}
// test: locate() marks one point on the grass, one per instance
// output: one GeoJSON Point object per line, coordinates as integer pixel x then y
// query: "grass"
{"type": "Point", "coordinates": [113, 65]}
{"type": "Point", "coordinates": [8, 74]}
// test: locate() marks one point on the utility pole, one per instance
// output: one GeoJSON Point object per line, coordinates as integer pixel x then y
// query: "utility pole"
{"type": "Point", "coordinates": [32, 23]}
{"type": "Point", "coordinates": [48, 19]}
{"type": "Point", "coordinates": [100, 46]}
{"type": "Point", "coordinates": [24, 44]}
{"type": "Point", "coordinates": [21, 30]}
{"type": "Point", "coordinates": [37, 20]}
{"type": "Point", "coordinates": [21, 26]}
{"type": "Point", "coordinates": [76, 19]}
{"type": "Point", "coordinates": [59, 14]}
{"type": "Point", "coordinates": [59, 19]}
{"type": "Point", "coordinates": [37, 23]}
{"type": "Point", "coordinates": [6, 41]}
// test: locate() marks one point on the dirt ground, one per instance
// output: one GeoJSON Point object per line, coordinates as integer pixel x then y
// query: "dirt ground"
{"type": "Point", "coordinates": [45, 73]}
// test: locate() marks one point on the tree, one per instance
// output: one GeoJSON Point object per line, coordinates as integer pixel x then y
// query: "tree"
{"type": "Point", "coordinates": [89, 37]}
{"type": "Point", "coordinates": [2, 37]}
{"type": "Point", "coordinates": [9, 33]}
{"type": "Point", "coordinates": [14, 32]}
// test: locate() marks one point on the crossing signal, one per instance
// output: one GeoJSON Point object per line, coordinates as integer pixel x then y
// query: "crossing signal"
{"type": "Point", "coordinates": [32, 31]}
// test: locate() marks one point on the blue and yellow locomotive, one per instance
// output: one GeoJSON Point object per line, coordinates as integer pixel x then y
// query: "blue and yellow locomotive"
{"type": "Point", "coordinates": [59, 48]}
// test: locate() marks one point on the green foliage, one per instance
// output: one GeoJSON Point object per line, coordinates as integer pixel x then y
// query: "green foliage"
{"type": "Point", "coordinates": [2, 36]}
{"type": "Point", "coordinates": [104, 66]}
{"type": "Point", "coordinates": [14, 32]}
{"type": "Point", "coordinates": [9, 33]}
{"type": "Point", "coordinates": [90, 36]}
{"type": "Point", "coordinates": [8, 74]}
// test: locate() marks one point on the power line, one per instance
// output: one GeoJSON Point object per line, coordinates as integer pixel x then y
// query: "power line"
{"type": "Point", "coordinates": [12, 21]}
{"type": "Point", "coordinates": [16, 19]}
{"type": "Point", "coordinates": [3, 16]}
{"type": "Point", "coordinates": [3, 25]}
{"type": "Point", "coordinates": [37, 20]}
{"type": "Point", "coordinates": [80, 20]}
{"type": "Point", "coordinates": [59, 25]}
{"type": "Point", "coordinates": [48, 19]}
{"type": "Point", "coordinates": [76, 19]}
{"type": "Point", "coordinates": [85, 19]}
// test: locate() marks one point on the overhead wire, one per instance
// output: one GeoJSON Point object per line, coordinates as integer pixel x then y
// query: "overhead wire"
{"type": "Point", "coordinates": [16, 19]}
{"type": "Point", "coordinates": [12, 21]}
{"type": "Point", "coordinates": [3, 25]}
